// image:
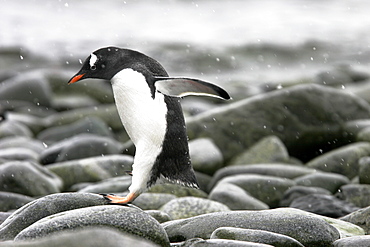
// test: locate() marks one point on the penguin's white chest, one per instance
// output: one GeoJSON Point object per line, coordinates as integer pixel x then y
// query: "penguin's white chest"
{"type": "Point", "coordinates": [143, 117]}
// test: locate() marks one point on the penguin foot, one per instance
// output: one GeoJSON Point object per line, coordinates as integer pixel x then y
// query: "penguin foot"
{"type": "Point", "coordinates": [118, 199]}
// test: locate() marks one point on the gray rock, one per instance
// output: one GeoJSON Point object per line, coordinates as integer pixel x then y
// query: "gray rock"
{"type": "Point", "coordinates": [297, 191]}
{"type": "Point", "coordinates": [256, 236]}
{"type": "Point", "coordinates": [186, 207]}
{"type": "Point", "coordinates": [11, 128]}
{"type": "Point", "coordinates": [68, 102]}
{"type": "Point", "coordinates": [360, 218]}
{"type": "Point", "coordinates": [269, 149]}
{"type": "Point", "coordinates": [24, 142]}
{"type": "Point", "coordinates": [147, 201]}
{"type": "Point", "coordinates": [358, 241]}
{"type": "Point", "coordinates": [160, 216]}
{"type": "Point", "coordinates": [358, 194]}
{"type": "Point", "coordinates": [90, 125]}
{"type": "Point", "coordinates": [237, 126]}
{"type": "Point", "coordinates": [363, 135]}
{"type": "Point", "coordinates": [43, 207]}
{"type": "Point", "coordinates": [110, 185]}
{"type": "Point", "coordinates": [276, 170]}
{"type": "Point", "coordinates": [205, 156]}
{"type": "Point", "coordinates": [125, 219]}
{"type": "Point", "coordinates": [80, 146]}
{"type": "Point", "coordinates": [267, 189]}
{"type": "Point", "coordinates": [4, 216]}
{"type": "Point", "coordinates": [235, 197]}
{"type": "Point", "coordinates": [34, 123]}
{"type": "Point", "coordinates": [342, 160]}
{"type": "Point", "coordinates": [10, 201]}
{"type": "Point", "coordinates": [203, 180]}
{"type": "Point", "coordinates": [28, 178]}
{"type": "Point", "coordinates": [308, 230]}
{"type": "Point", "coordinates": [328, 181]}
{"type": "Point", "coordinates": [224, 243]}
{"type": "Point", "coordinates": [177, 190]}
{"type": "Point", "coordinates": [91, 169]}
{"type": "Point", "coordinates": [364, 170]}
{"type": "Point", "coordinates": [19, 153]}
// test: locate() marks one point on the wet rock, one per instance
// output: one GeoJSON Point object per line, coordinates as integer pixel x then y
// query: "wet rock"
{"type": "Point", "coordinates": [298, 191]}
{"type": "Point", "coordinates": [91, 169]}
{"type": "Point", "coordinates": [110, 185]}
{"type": "Point", "coordinates": [342, 160]}
{"type": "Point", "coordinates": [80, 146]}
{"type": "Point", "coordinates": [364, 170]}
{"type": "Point", "coordinates": [10, 201]}
{"type": "Point", "coordinates": [328, 181]}
{"type": "Point", "coordinates": [360, 218]}
{"type": "Point", "coordinates": [135, 222]}
{"type": "Point", "coordinates": [235, 197]}
{"type": "Point", "coordinates": [28, 178]}
{"type": "Point", "coordinates": [308, 230]}
{"type": "Point", "coordinates": [22, 142]}
{"type": "Point", "coordinates": [11, 128]}
{"type": "Point", "coordinates": [269, 149]}
{"type": "Point", "coordinates": [90, 125]}
{"type": "Point", "coordinates": [186, 207]}
{"type": "Point", "coordinates": [19, 153]}
{"type": "Point", "coordinates": [147, 201]}
{"type": "Point", "coordinates": [358, 194]}
{"type": "Point", "coordinates": [205, 156]}
{"type": "Point", "coordinates": [256, 236]}
{"type": "Point", "coordinates": [160, 216]}
{"type": "Point", "coordinates": [358, 241]}
{"type": "Point", "coordinates": [43, 207]}
{"type": "Point", "coordinates": [177, 190]}
{"type": "Point", "coordinates": [237, 126]}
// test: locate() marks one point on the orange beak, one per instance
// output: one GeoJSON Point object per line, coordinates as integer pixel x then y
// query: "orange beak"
{"type": "Point", "coordinates": [75, 79]}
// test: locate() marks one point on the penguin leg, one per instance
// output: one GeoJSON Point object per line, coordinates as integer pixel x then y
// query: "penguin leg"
{"type": "Point", "coordinates": [120, 200]}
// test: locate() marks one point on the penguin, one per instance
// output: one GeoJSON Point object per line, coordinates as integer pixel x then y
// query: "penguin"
{"type": "Point", "coordinates": [148, 103]}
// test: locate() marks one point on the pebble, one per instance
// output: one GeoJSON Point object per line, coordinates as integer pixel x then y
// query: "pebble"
{"type": "Point", "coordinates": [329, 181]}
{"type": "Point", "coordinates": [205, 156]}
{"type": "Point", "coordinates": [9, 128]}
{"type": "Point", "coordinates": [358, 194]}
{"type": "Point", "coordinates": [22, 142]}
{"type": "Point", "coordinates": [358, 241]}
{"type": "Point", "coordinates": [10, 201]}
{"type": "Point", "coordinates": [150, 201]}
{"type": "Point", "coordinates": [297, 191]}
{"type": "Point", "coordinates": [360, 218]}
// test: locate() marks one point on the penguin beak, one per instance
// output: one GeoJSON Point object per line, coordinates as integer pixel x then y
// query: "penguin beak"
{"type": "Point", "coordinates": [75, 78]}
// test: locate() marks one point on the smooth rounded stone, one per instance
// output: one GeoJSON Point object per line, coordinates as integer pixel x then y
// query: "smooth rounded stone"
{"type": "Point", "coordinates": [269, 149]}
{"type": "Point", "coordinates": [28, 178]}
{"type": "Point", "coordinates": [4, 216]}
{"type": "Point", "coordinates": [343, 160]}
{"type": "Point", "coordinates": [160, 216]}
{"type": "Point", "coordinates": [326, 205]}
{"type": "Point", "coordinates": [235, 197]}
{"type": "Point", "coordinates": [80, 146]}
{"type": "Point", "coordinates": [256, 236]}
{"type": "Point", "coordinates": [177, 190]}
{"type": "Point", "coordinates": [11, 128]}
{"type": "Point", "coordinates": [22, 142]}
{"type": "Point", "coordinates": [10, 201]}
{"type": "Point", "coordinates": [203, 180]}
{"type": "Point", "coordinates": [308, 230]}
{"type": "Point", "coordinates": [354, 127]}
{"type": "Point", "coordinates": [328, 181]}
{"type": "Point", "coordinates": [267, 189]}
{"type": "Point", "coordinates": [334, 77]}
{"type": "Point", "coordinates": [110, 185]}
{"type": "Point", "coordinates": [85, 237]}
{"type": "Point", "coordinates": [276, 170]}
{"type": "Point", "coordinates": [222, 243]}
{"type": "Point", "coordinates": [126, 219]}
{"type": "Point", "coordinates": [364, 170]}
{"type": "Point", "coordinates": [360, 218]}
{"type": "Point", "coordinates": [235, 127]}
{"type": "Point", "coordinates": [67, 102]}
{"type": "Point", "coordinates": [363, 135]}
{"type": "Point", "coordinates": [205, 156]}
{"type": "Point", "coordinates": [148, 201]}
{"type": "Point", "coordinates": [34, 123]}
{"type": "Point", "coordinates": [19, 153]}
{"type": "Point", "coordinates": [45, 206]}
{"type": "Point", "coordinates": [358, 241]}
{"type": "Point", "coordinates": [358, 194]}
{"type": "Point", "coordinates": [186, 207]}
{"type": "Point", "coordinates": [91, 125]}
{"type": "Point", "coordinates": [298, 191]}
{"type": "Point", "coordinates": [91, 169]}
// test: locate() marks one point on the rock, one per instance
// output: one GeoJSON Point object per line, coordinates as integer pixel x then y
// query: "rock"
{"type": "Point", "coordinates": [343, 160]}
{"type": "Point", "coordinates": [186, 207]}
{"type": "Point", "coordinates": [328, 181]}
{"type": "Point", "coordinates": [334, 77]}
{"type": "Point", "coordinates": [34, 123]}
{"type": "Point", "coordinates": [269, 149]}
{"type": "Point", "coordinates": [68, 102]}
{"type": "Point", "coordinates": [363, 135]}
{"type": "Point", "coordinates": [256, 236]}
{"type": "Point", "coordinates": [308, 230]}
{"type": "Point", "coordinates": [14, 129]}
{"type": "Point", "coordinates": [28, 178]}
{"type": "Point", "coordinates": [267, 189]}
{"type": "Point", "coordinates": [358, 241]}
{"type": "Point", "coordinates": [221, 243]}
{"type": "Point", "coordinates": [85, 237]}
{"type": "Point", "coordinates": [364, 170]}
{"type": "Point", "coordinates": [19, 153]}
{"type": "Point", "coordinates": [203, 180]}
{"type": "Point", "coordinates": [205, 156]}
{"type": "Point", "coordinates": [235, 197]}
{"type": "Point", "coordinates": [360, 218]}
{"type": "Point", "coordinates": [80, 146]}
{"type": "Point", "coordinates": [147, 201]}
{"type": "Point", "coordinates": [277, 170]}
{"type": "Point", "coordinates": [10, 201]}
{"type": "Point", "coordinates": [91, 169]}
{"type": "Point", "coordinates": [177, 190]}
{"type": "Point", "coordinates": [358, 194]}
{"type": "Point", "coordinates": [4, 216]}
{"type": "Point", "coordinates": [237, 126]}
{"type": "Point", "coordinates": [90, 125]}
{"type": "Point", "coordinates": [126, 219]}
{"type": "Point", "coordinates": [22, 142]}
{"type": "Point", "coordinates": [45, 206]}
{"type": "Point", "coordinates": [110, 185]}
{"type": "Point", "coordinates": [160, 216]}
{"type": "Point", "coordinates": [326, 205]}
{"type": "Point", "coordinates": [298, 191]}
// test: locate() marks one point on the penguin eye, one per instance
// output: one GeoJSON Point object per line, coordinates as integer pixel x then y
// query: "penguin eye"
{"type": "Point", "coordinates": [93, 67]}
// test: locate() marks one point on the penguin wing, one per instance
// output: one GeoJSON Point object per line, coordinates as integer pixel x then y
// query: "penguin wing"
{"type": "Point", "coordinates": [180, 87]}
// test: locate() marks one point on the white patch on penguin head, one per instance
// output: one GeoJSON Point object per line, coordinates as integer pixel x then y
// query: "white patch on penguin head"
{"type": "Point", "coordinates": [93, 60]}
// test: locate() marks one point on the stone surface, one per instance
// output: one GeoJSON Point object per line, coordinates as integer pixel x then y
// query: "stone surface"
{"type": "Point", "coordinates": [177, 190]}
{"type": "Point", "coordinates": [147, 201]}
{"type": "Point", "coordinates": [110, 185]}
{"type": "Point", "coordinates": [358, 194]}
{"type": "Point", "coordinates": [19, 153]}
{"type": "Point", "coordinates": [364, 170]}
{"type": "Point", "coordinates": [24, 142]}
{"type": "Point", "coordinates": [360, 218]}
{"type": "Point", "coordinates": [11, 201]}
{"type": "Point", "coordinates": [358, 241]}
{"type": "Point", "coordinates": [160, 216]}
{"type": "Point", "coordinates": [10, 128]}
{"type": "Point", "coordinates": [221, 243]}
{"type": "Point", "coordinates": [298, 191]}
{"type": "Point", "coordinates": [329, 181]}
{"type": "Point", "coordinates": [205, 156]}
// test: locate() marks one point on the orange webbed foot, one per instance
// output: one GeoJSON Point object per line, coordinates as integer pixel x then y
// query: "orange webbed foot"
{"type": "Point", "coordinates": [113, 199]}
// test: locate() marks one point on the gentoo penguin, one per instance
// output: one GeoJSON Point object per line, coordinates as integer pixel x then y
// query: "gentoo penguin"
{"type": "Point", "coordinates": [147, 101]}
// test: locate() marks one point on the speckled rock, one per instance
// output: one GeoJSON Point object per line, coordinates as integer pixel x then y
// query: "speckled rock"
{"type": "Point", "coordinates": [358, 194]}
{"type": "Point", "coordinates": [10, 201]}
{"type": "Point", "coordinates": [205, 156]}
{"type": "Point", "coordinates": [220, 243]}
{"type": "Point", "coordinates": [360, 218]}
{"type": "Point", "coordinates": [364, 170]}
{"type": "Point", "coordinates": [298, 191]}
{"type": "Point", "coordinates": [110, 185]}
{"type": "Point", "coordinates": [177, 190]}
{"type": "Point", "coordinates": [328, 181]}
{"type": "Point", "coordinates": [11, 128]}
{"type": "Point", "coordinates": [22, 142]}
{"type": "Point", "coordinates": [358, 241]}
{"type": "Point", "coordinates": [147, 201]}
{"type": "Point", "coordinates": [160, 216]}
{"type": "Point", "coordinates": [19, 153]}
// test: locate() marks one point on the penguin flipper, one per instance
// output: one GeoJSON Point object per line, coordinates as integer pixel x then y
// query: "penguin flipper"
{"type": "Point", "coordinates": [180, 87]}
